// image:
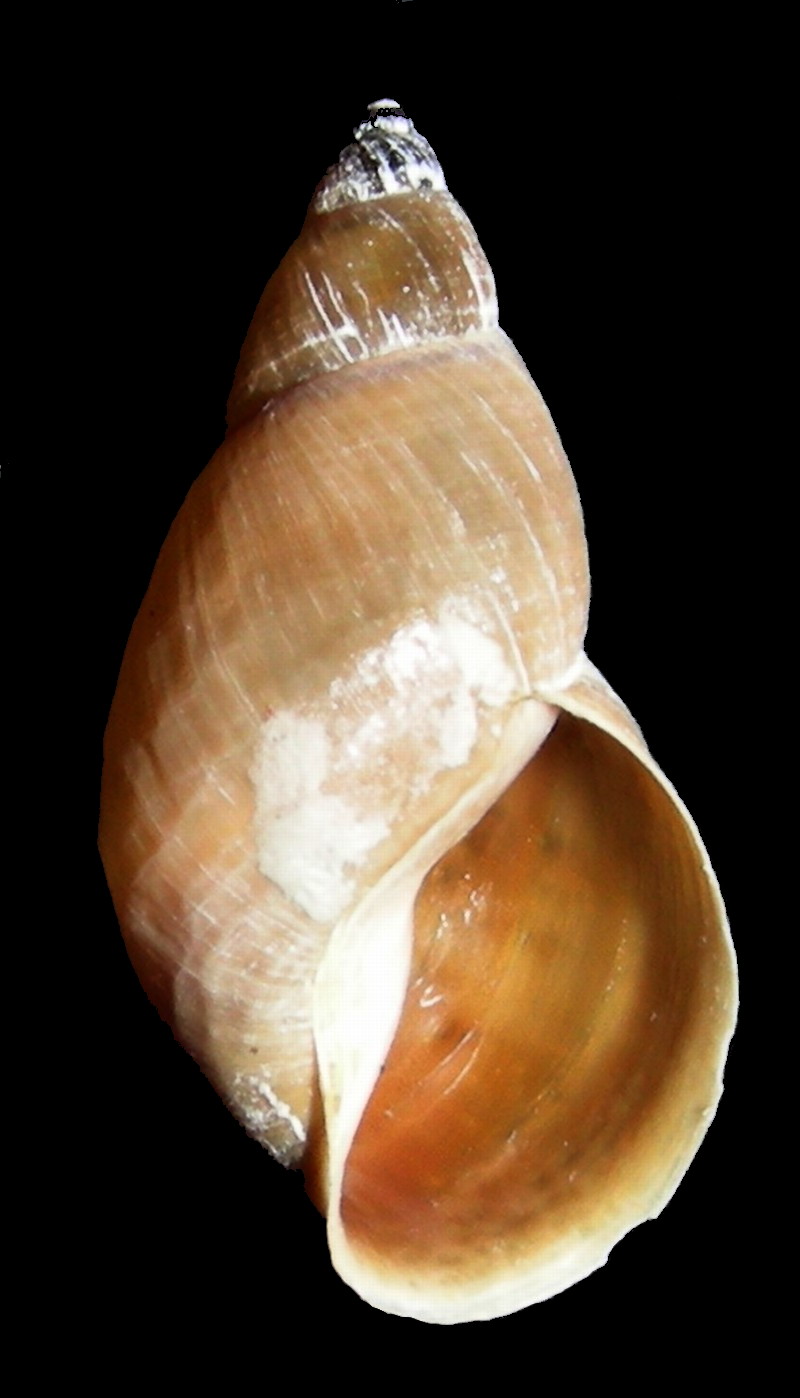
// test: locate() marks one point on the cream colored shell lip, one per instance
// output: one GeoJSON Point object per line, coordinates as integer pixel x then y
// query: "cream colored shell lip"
{"type": "Point", "coordinates": [439, 1317]}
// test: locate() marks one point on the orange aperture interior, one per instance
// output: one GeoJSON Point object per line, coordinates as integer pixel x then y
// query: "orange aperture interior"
{"type": "Point", "coordinates": [545, 1059]}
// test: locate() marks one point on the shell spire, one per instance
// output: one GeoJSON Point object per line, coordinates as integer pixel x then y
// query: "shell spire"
{"type": "Point", "coordinates": [388, 156]}
{"type": "Point", "coordinates": [386, 260]}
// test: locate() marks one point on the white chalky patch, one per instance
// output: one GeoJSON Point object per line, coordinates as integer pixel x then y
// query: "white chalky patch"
{"type": "Point", "coordinates": [267, 1117]}
{"type": "Point", "coordinates": [479, 658]}
{"type": "Point", "coordinates": [328, 792]}
{"type": "Point", "coordinates": [484, 677]}
{"type": "Point", "coordinates": [459, 728]}
{"type": "Point", "coordinates": [281, 1110]}
{"type": "Point", "coordinates": [307, 840]}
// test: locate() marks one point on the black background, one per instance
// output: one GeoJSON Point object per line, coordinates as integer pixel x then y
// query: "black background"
{"type": "Point", "coordinates": [177, 170]}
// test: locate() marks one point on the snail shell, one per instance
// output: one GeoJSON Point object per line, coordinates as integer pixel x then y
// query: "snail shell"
{"type": "Point", "coordinates": [389, 855]}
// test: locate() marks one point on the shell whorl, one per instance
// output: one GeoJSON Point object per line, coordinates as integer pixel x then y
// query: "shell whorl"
{"type": "Point", "coordinates": [388, 156]}
{"type": "Point", "coordinates": [386, 260]}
